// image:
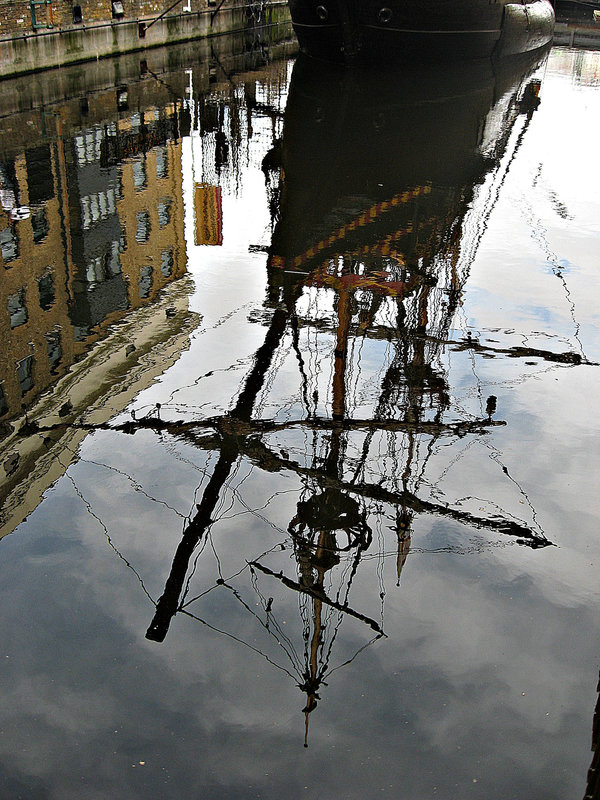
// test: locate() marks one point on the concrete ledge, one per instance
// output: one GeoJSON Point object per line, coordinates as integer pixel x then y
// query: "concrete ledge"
{"type": "Point", "coordinates": [585, 35]}
{"type": "Point", "coordinates": [59, 47]}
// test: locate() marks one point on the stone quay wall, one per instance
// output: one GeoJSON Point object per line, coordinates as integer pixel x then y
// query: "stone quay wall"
{"type": "Point", "coordinates": [41, 34]}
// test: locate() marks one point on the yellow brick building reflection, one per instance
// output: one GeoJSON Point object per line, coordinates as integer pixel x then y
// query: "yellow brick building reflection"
{"type": "Point", "coordinates": [104, 235]}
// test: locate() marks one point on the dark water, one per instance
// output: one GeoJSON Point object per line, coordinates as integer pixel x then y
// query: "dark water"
{"type": "Point", "coordinates": [300, 429]}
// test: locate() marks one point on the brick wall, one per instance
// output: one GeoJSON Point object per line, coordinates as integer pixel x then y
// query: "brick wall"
{"type": "Point", "coordinates": [16, 17]}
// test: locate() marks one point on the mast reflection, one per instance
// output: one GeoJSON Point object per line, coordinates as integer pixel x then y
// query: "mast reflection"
{"type": "Point", "coordinates": [365, 249]}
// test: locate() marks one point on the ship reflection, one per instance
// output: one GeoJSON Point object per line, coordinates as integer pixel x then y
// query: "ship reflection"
{"type": "Point", "coordinates": [383, 185]}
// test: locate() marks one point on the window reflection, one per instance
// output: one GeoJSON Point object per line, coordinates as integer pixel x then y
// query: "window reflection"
{"type": "Point", "coordinates": [142, 233]}
{"type": "Point", "coordinates": [40, 177]}
{"type": "Point", "coordinates": [81, 332]}
{"type": "Point", "coordinates": [39, 225]}
{"type": "Point", "coordinates": [25, 374]}
{"type": "Point", "coordinates": [17, 309]}
{"type": "Point", "coordinates": [9, 246]}
{"type": "Point", "coordinates": [88, 146]}
{"type": "Point", "coordinates": [135, 120]}
{"type": "Point", "coordinates": [104, 266]}
{"type": "Point", "coordinates": [53, 339]}
{"type": "Point", "coordinates": [8, 185]}
{"type": "Point", "coordinates": [145, 281]}
{"type": "Point", "coordinates": [139, 175]}
{"type": "Point", "coordinates": [46, 290]}
{"type": "Point", "coordinates": [98, 206]}
{"type": "Point", "coordinates": [164, 211]}
{"type": "Point", "coordinates": [161, 162]}
{"type": "Point", "coordinates": [113, 258]}
{"type": "Point", "coordinates": [166, 263]}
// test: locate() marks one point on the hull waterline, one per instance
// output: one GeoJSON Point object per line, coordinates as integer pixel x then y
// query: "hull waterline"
{"type": "Point", "coordinates": [349, 32]}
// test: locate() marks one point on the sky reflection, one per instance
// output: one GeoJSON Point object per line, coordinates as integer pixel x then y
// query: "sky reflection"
{"type": "Point", "coordinates": [341, 492]}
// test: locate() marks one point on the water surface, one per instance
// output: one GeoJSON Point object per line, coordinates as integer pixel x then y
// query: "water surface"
{"type": "Point", "coordinates": [299, 425]}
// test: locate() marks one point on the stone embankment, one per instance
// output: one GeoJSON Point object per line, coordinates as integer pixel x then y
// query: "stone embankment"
{"type": "Point", "coordinates": [40, 34]}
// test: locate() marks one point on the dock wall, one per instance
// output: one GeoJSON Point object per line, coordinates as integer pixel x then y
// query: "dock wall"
{"type": "Point", "coordinates": [577, 34]}
{"type": "Point", "coordinates": [35, 50]}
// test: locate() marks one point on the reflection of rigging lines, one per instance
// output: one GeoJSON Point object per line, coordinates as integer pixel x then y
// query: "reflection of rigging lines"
{"type": "Point", "coordinates": [539, 235]}
{"type": "Point", "coordinates": [311, 670]}
{"type": "Point", "coordinates": [255, 9]}
{"type": "Point", "coordinates": [337, 605]}
{"type": "Point", "coordinates": [481, 217]}
{"type": "Point", "coordinates": [330, 505]}
{"type": "Point", "coordinates": [248, 443]}
{"type": "Point", "coordinates": [309, 683]}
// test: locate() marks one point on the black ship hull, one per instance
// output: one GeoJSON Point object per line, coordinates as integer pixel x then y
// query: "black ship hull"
{"type": "Point", "coordinates": [351, 31]}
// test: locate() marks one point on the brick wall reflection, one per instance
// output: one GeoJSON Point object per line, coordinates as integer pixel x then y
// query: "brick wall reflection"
{"type": "Point", "coordinates": [104, 234]}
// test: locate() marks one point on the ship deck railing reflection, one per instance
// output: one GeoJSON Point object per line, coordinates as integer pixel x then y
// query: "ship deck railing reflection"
{"type": "Point", "coordinates": [365, 218]}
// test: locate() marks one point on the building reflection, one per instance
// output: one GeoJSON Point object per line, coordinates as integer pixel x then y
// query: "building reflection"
{"type": "Point", "coordinates": [365, 251]}
{"type": "Point", "coordinates": [91, 227]}
{"type": "Point", "coordinates": [127, 202]}
{"type": "Point", "coordinates": [98, 168]}
{"type": "Point", "coordinates": [92, 234]}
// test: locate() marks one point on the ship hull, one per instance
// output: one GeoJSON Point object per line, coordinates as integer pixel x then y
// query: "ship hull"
{"type": "Point", "coordinates": [351, 31]}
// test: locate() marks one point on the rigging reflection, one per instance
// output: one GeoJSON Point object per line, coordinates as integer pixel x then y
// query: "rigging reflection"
{"type": "Point", "coordinates": [380, 187]}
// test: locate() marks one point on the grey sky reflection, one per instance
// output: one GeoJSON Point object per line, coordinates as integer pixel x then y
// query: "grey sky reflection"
{"type": "Point", "coordinates": [484, 685]}
{"type": "Point", "coordinates": [459, 689]}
